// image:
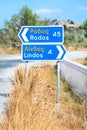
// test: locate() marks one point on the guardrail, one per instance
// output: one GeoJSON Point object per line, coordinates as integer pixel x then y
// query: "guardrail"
{"type": "Point", "coordinates": [76, 75]}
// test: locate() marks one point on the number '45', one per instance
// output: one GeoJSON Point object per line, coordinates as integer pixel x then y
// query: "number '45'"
{"type": "Point", "coordinates": [56, 34]}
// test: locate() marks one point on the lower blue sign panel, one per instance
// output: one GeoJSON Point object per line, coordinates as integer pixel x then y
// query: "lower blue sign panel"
{"type": "Point", "coordinates": [43, 52]}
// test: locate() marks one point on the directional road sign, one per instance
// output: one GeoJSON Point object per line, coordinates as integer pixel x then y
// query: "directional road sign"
{"type": "Point", "coordinates": [43, 52]}
{"type": "Point", "coordinates": [43, 34]}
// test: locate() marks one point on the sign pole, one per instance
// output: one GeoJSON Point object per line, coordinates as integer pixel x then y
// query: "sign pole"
{"type": "Point", "coordinates": [58, 82]}
{"type": "Point", "coordinates": [26, 69]}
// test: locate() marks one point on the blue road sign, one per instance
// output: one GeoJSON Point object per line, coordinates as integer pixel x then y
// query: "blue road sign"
{"type": "Point", "coordinates": [43, 34]}
{"type": "Point", "coordinates": [43, 52]}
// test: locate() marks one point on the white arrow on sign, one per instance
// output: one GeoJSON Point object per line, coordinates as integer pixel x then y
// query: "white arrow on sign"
{"type": "Point", "coordinates": [24, 34]}
{"type": "Point", "coordinates": [60, 52]}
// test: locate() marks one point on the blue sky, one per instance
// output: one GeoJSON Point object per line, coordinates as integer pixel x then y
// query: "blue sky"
{"type": "Point", "coordinates": [75, 10]}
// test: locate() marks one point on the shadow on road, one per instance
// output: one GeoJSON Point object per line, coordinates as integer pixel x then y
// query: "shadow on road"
{"type": "Point", "coordinates": [4, 64]}
{"type": "Point", "coordinates": [4, 94]}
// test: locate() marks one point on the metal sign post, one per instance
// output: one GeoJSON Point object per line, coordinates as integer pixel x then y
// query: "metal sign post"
{"type": "Point", "coordinates": [26, 69]}
{"type": "Point", "coordinates": [58, 82]}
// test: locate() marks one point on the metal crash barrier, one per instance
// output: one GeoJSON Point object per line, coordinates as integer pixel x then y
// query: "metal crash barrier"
{"type": "Point", "coordinates": [76, 75]}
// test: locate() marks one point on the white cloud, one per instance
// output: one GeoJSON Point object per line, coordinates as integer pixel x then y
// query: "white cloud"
{"type": "Point", "coordinates": [58, 11]}
{"type": "Point", "coordinates": [43, 11]}
{"type": "Point", "coordinates": [48, 11]}
{"type": "Point", "coordinates": [82, 8]}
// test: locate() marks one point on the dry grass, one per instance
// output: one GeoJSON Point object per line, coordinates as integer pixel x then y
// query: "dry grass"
{"type": "Point", "coordinates": [9, 50]}
{"type": "Point", "coordinates": [12, 50]}
{"type": "Point", "coordinates": [81, 61]}
{"type": "Point", "coordinates": [76, 48]}
{"type": "Point", "coordinates": [32, 106]}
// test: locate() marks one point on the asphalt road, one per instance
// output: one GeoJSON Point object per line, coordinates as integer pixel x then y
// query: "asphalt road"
{"type": "Point", "coordinates": [8, 64]}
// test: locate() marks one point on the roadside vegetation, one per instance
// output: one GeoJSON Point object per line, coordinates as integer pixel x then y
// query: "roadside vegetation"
{"type": "Point", "coordinates": [85, 62]}
{"type": "Point", "coordinates": [32, 103]}
{"type": "Point", "coordinates": [75, 39]}
{"type": "Point", "coordinates": [82, 61]}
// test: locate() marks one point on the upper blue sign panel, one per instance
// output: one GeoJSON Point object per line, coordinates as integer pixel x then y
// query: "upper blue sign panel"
{"type": "Point", "coordinates": [43, 34]}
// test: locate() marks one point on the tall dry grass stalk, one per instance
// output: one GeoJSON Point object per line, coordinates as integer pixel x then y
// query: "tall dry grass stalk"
{"type": "Point", "coordinates": [32, 103]}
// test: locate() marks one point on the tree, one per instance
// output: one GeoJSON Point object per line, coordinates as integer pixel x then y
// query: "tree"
{"type": "Point", "coordinates": [27, 17]}
{"type": "Point", "coordinates": [85, 27]}
{"type": "Point", "coordinates": [44, 22]}
{"type": "Point", "coordinates": [24, 18]}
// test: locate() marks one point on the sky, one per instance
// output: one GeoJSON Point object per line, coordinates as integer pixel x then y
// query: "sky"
{"type": "Point", "coordinates": [75, 10]}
